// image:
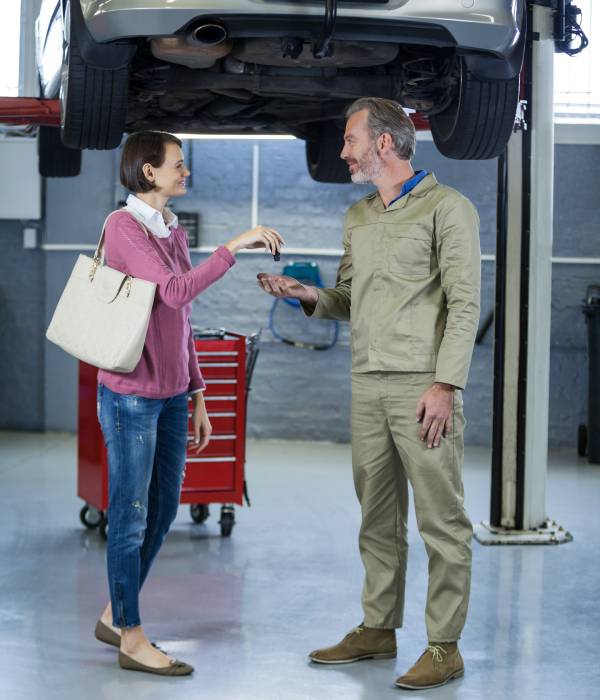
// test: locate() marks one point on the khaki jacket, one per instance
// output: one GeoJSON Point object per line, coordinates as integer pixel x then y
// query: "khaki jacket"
{"type": "Point", "coordinates": [409, 283]}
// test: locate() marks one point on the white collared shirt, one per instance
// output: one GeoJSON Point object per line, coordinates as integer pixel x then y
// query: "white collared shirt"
{"type": "Point", "coordinates": [158, 224]}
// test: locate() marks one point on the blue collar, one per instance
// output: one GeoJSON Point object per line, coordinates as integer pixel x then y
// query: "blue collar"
{"type": "Point", "coordinates": [409, 185]}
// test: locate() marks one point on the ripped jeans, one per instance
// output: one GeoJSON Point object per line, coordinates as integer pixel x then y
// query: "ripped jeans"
{"type": "Point", "coordinates": [146, 441]}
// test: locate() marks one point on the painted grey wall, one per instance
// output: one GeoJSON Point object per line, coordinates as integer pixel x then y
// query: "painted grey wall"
{"type": "Point", "coordinates": [75, 211]}
{"type": "Point", "coordinates": [22, 292]}
{"type": "Point", "coordinates": [301, 393]}
{"type": "Point", "coordinates": [576, 234]}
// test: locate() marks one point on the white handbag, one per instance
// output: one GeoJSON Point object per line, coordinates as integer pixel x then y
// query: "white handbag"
{"type": "Point", "coordinates": [102, 315]}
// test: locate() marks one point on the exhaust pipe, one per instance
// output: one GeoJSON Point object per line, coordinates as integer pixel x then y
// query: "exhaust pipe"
{"type": "Point", "coordinates": [201, 47]}
{"type": "Point", "coordinates": [207, 35]}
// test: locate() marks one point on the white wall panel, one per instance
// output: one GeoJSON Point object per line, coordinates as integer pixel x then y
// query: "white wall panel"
{"type": "Point", "coordinates": [20, 184]}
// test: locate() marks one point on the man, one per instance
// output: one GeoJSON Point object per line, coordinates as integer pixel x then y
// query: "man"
{"type": "Point", "coordinates": [409, 283]}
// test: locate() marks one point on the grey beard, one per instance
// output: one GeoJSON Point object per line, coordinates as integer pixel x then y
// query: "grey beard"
{"type": "Point", "coordinates": [370, 171]}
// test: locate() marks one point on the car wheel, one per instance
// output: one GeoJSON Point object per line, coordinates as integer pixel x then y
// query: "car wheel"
{"type": "Point", "coordinates": [93, 99]}
{"type": "Point", "coordinates": [324, 144]}
{"type": "Point", "coordinates": [54, 158]}
{"type": "Point", "coordinates": [479, 121]}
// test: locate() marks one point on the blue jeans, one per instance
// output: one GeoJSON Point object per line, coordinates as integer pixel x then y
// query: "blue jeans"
{"type": "Point", "coordinates": [146, 441]}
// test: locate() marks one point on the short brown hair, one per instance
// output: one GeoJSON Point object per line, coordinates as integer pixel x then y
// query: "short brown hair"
{"type": "Point", "coordinates": [140, 148]}
{"type": "Point", "coordinates": [388, 117]}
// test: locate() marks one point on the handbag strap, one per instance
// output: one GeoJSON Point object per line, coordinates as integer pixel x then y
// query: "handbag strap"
{"type": "Point", "coordinates": [98, 259]}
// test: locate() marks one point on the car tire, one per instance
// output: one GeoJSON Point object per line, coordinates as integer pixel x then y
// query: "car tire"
{"type": "Point", "coordinates": [54, 158]}
{"type": "Point", "coordinates": [324, 144]}
{"type": "Point", "coordinates": [93, 101]}
{"type": "Point", "coordinates": [479, 121]}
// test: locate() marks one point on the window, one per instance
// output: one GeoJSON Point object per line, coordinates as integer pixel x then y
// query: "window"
{"type": "Point", "coordinates": [576, 87]}
{"type": "Point", "coordinates": [10, 30]}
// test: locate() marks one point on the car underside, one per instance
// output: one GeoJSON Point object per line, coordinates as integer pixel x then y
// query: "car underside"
{"type": "Point", "coordinates": [277, 86]}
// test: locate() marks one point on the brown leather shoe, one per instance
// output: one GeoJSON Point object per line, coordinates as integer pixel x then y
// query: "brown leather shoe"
{"type": "Point", "coordinates": [439, 663]}
{"type": "Point", "coordinates": [361, 643]}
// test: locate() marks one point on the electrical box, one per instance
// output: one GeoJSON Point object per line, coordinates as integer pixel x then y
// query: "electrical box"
{"type": "Point", "coordinates": [20, 183]}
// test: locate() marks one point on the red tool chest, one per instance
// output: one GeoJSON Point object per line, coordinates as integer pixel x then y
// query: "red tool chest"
{"type": "Point", "coordinates": [216, 475]}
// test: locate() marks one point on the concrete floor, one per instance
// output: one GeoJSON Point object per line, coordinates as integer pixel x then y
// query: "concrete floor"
{"type": "Point", "coordinates": [246, 610]}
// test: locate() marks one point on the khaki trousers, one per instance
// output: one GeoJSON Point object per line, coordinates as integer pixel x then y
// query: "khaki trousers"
{"type": "Point", "coordinates": [386, 455]}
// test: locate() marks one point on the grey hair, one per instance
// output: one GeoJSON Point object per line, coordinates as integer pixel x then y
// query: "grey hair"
{"type": "Point", "coordinates": [388, 117]}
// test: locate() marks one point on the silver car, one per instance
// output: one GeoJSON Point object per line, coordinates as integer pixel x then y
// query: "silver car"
{"type": "Point", "coordinates": [267, 66]}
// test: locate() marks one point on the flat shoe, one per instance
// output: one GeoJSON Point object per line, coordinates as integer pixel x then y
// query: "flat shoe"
{"type": "Point", "coordinates": [104, 633]}
{"type": "Point", "coordinates": [175, 667]}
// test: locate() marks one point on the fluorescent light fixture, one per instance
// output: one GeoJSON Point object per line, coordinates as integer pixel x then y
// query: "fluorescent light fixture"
{"type": "Point", "coordinates": [237, 137]}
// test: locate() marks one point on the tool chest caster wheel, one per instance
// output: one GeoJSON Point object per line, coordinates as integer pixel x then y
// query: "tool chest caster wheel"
{"type": "Point", "coordinates": [199, 512]}
{"type": "Point", "coordinates": [104, 528]}
{"type": "Point", "coordinates": [227, 520]}
{"type": "Point", "coordinates": [91, 517]}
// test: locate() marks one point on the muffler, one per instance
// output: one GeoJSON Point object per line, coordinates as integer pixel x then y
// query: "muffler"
{"type": "Point", "coordinates": [201, 46]}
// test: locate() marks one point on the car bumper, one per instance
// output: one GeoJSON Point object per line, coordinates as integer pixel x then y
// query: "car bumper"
{"type": "Point", "coordinates": [492, 26]}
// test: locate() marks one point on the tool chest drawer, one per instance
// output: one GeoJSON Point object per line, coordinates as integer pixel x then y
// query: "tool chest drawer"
{"type": "Point", "coordinates": [209, 473]}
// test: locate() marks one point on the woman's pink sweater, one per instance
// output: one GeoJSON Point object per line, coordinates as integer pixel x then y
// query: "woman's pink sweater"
{"type": "Point", "coordinates": [168, 365]}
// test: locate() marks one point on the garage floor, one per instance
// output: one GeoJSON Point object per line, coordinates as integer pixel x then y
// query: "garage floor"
{"type": "Point", "coordinates": [246, 610]}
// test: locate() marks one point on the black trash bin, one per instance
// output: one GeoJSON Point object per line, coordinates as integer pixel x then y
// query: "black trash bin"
{"type": "Point", "coordinates": [588, 442]}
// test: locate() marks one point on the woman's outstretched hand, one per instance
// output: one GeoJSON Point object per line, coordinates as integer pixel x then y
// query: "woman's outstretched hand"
{"type": "Point", "coordinates": [257, 237]}
{"type": "Point", "coordinates": [201, 423]}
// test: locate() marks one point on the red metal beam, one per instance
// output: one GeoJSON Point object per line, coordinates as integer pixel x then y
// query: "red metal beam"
{"type": "Point", "coordinates": [34, 110]}
{"type": "Point", "coordinates": [29, 110]}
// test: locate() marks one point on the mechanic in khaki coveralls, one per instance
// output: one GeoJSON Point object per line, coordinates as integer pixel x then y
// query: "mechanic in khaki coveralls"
{"type": "Point", "coordinates": [409, 283]}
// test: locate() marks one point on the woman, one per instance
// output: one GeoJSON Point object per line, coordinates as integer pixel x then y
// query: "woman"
{"type": "Point", "coordinates": [144, 414]}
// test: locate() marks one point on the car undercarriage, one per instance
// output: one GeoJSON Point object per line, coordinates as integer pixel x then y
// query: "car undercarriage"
{"type": "Point", "coordinates": [245, 96]}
